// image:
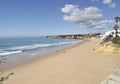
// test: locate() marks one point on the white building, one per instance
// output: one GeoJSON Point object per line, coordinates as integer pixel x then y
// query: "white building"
{"type": "Point", "coordinates": [112, 32]}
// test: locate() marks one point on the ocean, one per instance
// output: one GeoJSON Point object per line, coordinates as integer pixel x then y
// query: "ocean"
{"type": "Point", "coordinates": [18, 50]}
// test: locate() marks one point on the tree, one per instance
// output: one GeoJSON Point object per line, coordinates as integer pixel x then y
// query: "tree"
{"type": "Point", "coordinates": [117, 19]}
{"type": "Point", "coordinates": [115, 27]}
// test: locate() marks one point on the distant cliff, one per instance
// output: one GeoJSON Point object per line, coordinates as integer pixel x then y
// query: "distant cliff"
{"type": "Point", "coordinates": [75, 36]}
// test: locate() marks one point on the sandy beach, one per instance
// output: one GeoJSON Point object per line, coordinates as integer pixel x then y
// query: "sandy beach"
{"type": "Point", "coordinates": [77, 65]}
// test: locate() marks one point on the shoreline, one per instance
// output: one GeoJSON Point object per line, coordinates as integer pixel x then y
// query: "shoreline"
{"type": "Point", "coordinates": [76, 65]}
{"type": "Point", "coordinates": [38, 57]}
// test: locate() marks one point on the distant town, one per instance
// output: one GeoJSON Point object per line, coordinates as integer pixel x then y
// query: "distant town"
{"type": "Point", "coordinates": [76, 36]}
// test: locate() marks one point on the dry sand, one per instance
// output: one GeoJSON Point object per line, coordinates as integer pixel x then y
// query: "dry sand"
{"type": "Point", "coordinates": [77, 65]}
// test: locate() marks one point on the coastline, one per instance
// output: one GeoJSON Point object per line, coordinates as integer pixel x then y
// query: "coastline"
{"type": "Point", "coordinates": [24, 58]}
{"type": "Point", "coordinates": [76, 65]}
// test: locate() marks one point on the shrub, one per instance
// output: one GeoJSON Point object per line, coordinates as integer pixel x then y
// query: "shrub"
{"type": "Point", "coordinates": [116, 40]}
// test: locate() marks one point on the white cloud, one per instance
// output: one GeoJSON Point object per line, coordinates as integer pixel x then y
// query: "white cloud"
{"type": "Point", "coordinates": [74, 14]}
{"type": "Point", "coordinates": [98, 24]}
{"type": "Point", "coordinates": [94, 0]}
{"type": "Point", "coordinates": [112, 5]}
{"type": "Point", "coordinates": [68, 8]}
{"type": "Point", "coordinates": [109, 3]}
{"type": "Point", "coordinates": [90, 17]}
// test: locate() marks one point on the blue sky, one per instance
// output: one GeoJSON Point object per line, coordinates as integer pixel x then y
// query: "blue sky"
{"type": "Point", "coordinates": [53, 17]}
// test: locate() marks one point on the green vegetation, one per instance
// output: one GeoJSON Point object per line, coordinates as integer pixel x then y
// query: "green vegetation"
{"type": "Point", "coordinates": [117, 19]}
{"type": "Point", "coordinates": [115, 27]}
{"type": "Point", "coordinates": [107, 39]}
{"type": "Point", "coordinates": [116, 40]}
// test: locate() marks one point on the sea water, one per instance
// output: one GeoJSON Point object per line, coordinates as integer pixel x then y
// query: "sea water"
{"type": "Point", "coordinates": [18, 50]}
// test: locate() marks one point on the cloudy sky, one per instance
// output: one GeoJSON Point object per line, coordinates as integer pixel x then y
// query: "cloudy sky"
{"type": "Point", "coordinates": [53, 17]}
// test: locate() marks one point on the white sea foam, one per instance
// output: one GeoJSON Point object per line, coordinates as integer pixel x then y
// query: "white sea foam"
{"type": "Point", "coordinates": [25, 49]}
{"type": "Point", "coordinates": [9, 53]}
{"type": "Point", "coordinates": [41, 45]}
{"type": "Point", "coordinates": [20, 49]}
